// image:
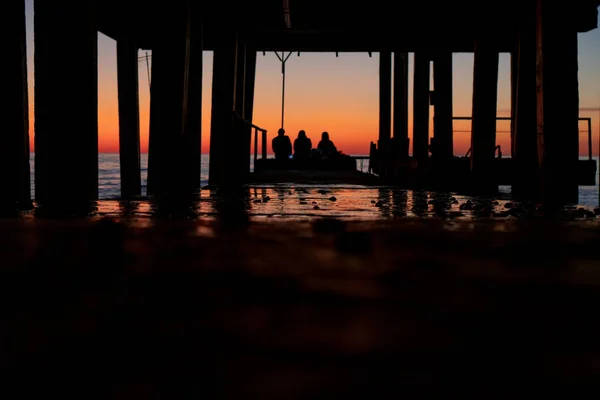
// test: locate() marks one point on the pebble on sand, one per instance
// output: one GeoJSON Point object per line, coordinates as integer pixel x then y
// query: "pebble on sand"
{"type": "Point", "coordinates": [468, 206]}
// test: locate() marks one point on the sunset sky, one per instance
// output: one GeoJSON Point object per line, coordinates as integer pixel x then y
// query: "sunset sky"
{"type": "Point", "coordinates": [324, 93]}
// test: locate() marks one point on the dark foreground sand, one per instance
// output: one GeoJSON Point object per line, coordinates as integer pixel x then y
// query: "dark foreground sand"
{"type": "Point", "coordinates": [298, 310]}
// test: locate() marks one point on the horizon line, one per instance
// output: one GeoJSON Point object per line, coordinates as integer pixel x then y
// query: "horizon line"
{"type": "Point", "coordinates": [350, 154]}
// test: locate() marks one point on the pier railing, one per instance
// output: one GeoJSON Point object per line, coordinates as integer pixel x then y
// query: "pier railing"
{"type": "Point", "coordinates": [589, 130]}
{"type": "Point", "coordinates": [361, 165]}
{"type": "Point", "coordinates": [255, 131]}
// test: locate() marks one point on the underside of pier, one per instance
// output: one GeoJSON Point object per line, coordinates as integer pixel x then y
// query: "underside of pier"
{"type": "Point", "coordinates": [325, 25]}
{"type": "Point", "coordinates": [540, 35]}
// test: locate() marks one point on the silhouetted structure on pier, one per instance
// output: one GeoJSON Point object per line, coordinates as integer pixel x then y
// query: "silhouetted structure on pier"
{"type": "Point", "coordinates": [540, 33]}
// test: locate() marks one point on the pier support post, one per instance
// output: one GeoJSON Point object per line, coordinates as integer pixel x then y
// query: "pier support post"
{"type": "Point", "coordinates": [129, 119]}
{"type": "Point", "coordinates": [421, 107]}
{"type": "Point", "coordinates": [400, 138]}
{"type": "Point", "coordinates": [442, 118]}
{"type": "Point", "coordinates": [483, 128]}
{"type": "Point", "coordinates": [557, 102]}
{"type": "Point", "coordinates": [66, 103]}
{"type": "Point", "coordinates": [238, 142]}
{"type": "Point", "coordinates": [193, 124]}
{"type": "Point", "coordinates": [249, 82]}
{"type": "Point", "coordinates": [525, 180]}
{"type": "Point", "coordinates": [174, 150]}
{"type": "Point", "coordinates": [223, 104]}
{"type": "Point", "coordinates": [514, 68]}
{"type": "Point", "coordinates": [240, 78]}
{"type": "Point", "coordinates": [14, 139]}
{"type": "Point", "coordinates": [385, 101]}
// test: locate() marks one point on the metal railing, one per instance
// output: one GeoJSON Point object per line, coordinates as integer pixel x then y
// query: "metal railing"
{"type": "Point", "coordinates": [589, 130]}
{"type": "Point", "coordinates": [361, 160]}
{"type": "Point", "coordinates": [263, 142]}
{"type": "Point", "coordinates": [256, 129]}
{"type": "Point", "coordinates": [498, 147]}
{"type": "Point", "coordinates": [589, 124]}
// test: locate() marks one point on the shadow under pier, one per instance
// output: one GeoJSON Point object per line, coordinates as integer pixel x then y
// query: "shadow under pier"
{"type": "Point", "coordinates": [296, 309]}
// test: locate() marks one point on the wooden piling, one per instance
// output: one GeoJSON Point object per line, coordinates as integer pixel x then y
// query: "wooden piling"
{"type": "Point", "coordinates": [483, 129]}
{"type": "Point", "coordinates": [174, 107]}
{"type": "Point", "coordinates": [400, 104]}
{"type": "Point", "coordinates": [66, 103]}
{"type": "Point", "coordinates": [442, 117]}
{"type": "Point", "coordinates": [15, 178]}
{"type": "Point", "coordinates": [223, 104]}
{"type": "Point", "coordinates": [557, 101]}
{"type": "Point", "coordinates": [193, 124]}
{"type": "Point", "coordinates": [385, 100]}
{"type": "Point", "coordinates": [249, 80]}
{"type": "Point", "coordinates": [525, 155]}
{"type": "Point", "coordinates": [514, 69]}
{"type": "Point", "coordinates": [421, 107]}
{"type": "Point", "coordinates": [129, 119]}
{"type": "Point", "coordinates": [238, 140]}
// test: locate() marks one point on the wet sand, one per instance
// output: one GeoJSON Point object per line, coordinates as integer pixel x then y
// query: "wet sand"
{"type": "Point", "coordinates": [301, 309]}
{"type": "Point", "coordinates": [311, 177]}
{"type": "Point", "coordinates": [309, 202]}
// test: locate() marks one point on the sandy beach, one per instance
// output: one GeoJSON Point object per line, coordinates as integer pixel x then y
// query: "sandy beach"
{"type": "Point", "coordinates": [299, 309]}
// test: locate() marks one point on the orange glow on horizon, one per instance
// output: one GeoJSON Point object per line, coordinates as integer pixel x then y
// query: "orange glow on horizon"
{"type": "Point", "coordinates": [350, 136]}
{"type": "Point", "coordinates": [339, 95]}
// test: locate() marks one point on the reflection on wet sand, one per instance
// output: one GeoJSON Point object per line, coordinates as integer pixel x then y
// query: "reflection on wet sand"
{"type": "Point", "coordinates": [407, 293]}
{"type": "Point", "coordinates": [307, 202]}
{"type": "Point", "coordinates": [419, 205]}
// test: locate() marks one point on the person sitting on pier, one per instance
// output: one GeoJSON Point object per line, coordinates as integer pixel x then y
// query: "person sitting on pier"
{"type": "Point", "coordinates": [282, 145]}
{"type": "Point", "coordinates": [302, 146]}
{"type": "Point", "coordinates": [326, 146]}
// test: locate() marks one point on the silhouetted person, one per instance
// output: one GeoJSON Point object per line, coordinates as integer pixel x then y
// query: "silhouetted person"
{"type": "Point", "coordinates": [302, 146]}
{"type": "Point", "coordinates": [326, 146]}
{"type": "Point", "coordinates": [282, 145]}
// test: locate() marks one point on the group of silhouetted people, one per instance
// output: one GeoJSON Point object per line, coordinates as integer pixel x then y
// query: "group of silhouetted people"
{"type": "Point", "coordinates": [303, 149]}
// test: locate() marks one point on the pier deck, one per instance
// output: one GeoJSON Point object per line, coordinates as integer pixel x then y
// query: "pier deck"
{"type": "Point", "coordinates": [457, 172]}
{"type": "Point", "coordinates": [455, 176]}
{"type": "Point", "coordinates": [327, 26]}
{"type": "Point", "coordinates": [314, 177]}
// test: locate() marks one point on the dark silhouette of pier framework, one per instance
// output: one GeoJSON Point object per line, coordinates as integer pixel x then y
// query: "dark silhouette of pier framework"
{"type": "Point", "coordinates": [541, 36]}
